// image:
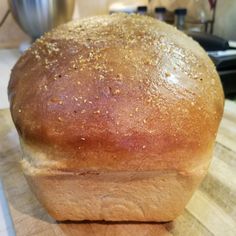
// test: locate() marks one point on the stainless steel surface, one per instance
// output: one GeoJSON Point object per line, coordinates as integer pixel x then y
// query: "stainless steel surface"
{"type": "Point", "coordinates": [38, 16]}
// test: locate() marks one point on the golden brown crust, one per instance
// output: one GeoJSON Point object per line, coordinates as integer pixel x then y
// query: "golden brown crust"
{"type": "Point", "coordinates": [118, 84]}
{"type": "Point", "coordinates": [115, 84]}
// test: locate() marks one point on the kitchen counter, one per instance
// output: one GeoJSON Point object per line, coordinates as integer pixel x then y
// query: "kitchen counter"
{"type": "Point", "coordinates": [8, 58]}
{"type": "Point", "coordinates": [211, 211]}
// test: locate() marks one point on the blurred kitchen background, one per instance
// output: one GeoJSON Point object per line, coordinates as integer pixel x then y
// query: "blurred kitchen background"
{"type": "Point", "coordinates": [211, 22]}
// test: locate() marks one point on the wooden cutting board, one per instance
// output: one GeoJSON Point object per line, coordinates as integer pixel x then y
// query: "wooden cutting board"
{"type": "Point", "coordinates": [211, 211]}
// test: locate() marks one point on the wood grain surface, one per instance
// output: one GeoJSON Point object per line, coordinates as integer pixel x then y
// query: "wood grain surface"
{"type": "Point", "coordinates": [211, 211]}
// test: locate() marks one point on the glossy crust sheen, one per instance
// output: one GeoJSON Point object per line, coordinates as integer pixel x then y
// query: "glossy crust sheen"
{"type": "Point", "coordinates": [115, 93]}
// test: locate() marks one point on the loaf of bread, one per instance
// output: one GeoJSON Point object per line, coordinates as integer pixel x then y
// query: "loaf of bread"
{"type": "Point", "coordinates": [117, 118]}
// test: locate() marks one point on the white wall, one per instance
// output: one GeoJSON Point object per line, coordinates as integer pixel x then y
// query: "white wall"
{"type": "Point", "coordinates": [225, 25]}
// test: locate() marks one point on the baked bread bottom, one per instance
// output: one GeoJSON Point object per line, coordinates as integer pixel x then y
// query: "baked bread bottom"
{"type": "Point", "coordinates": [114, 196]}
